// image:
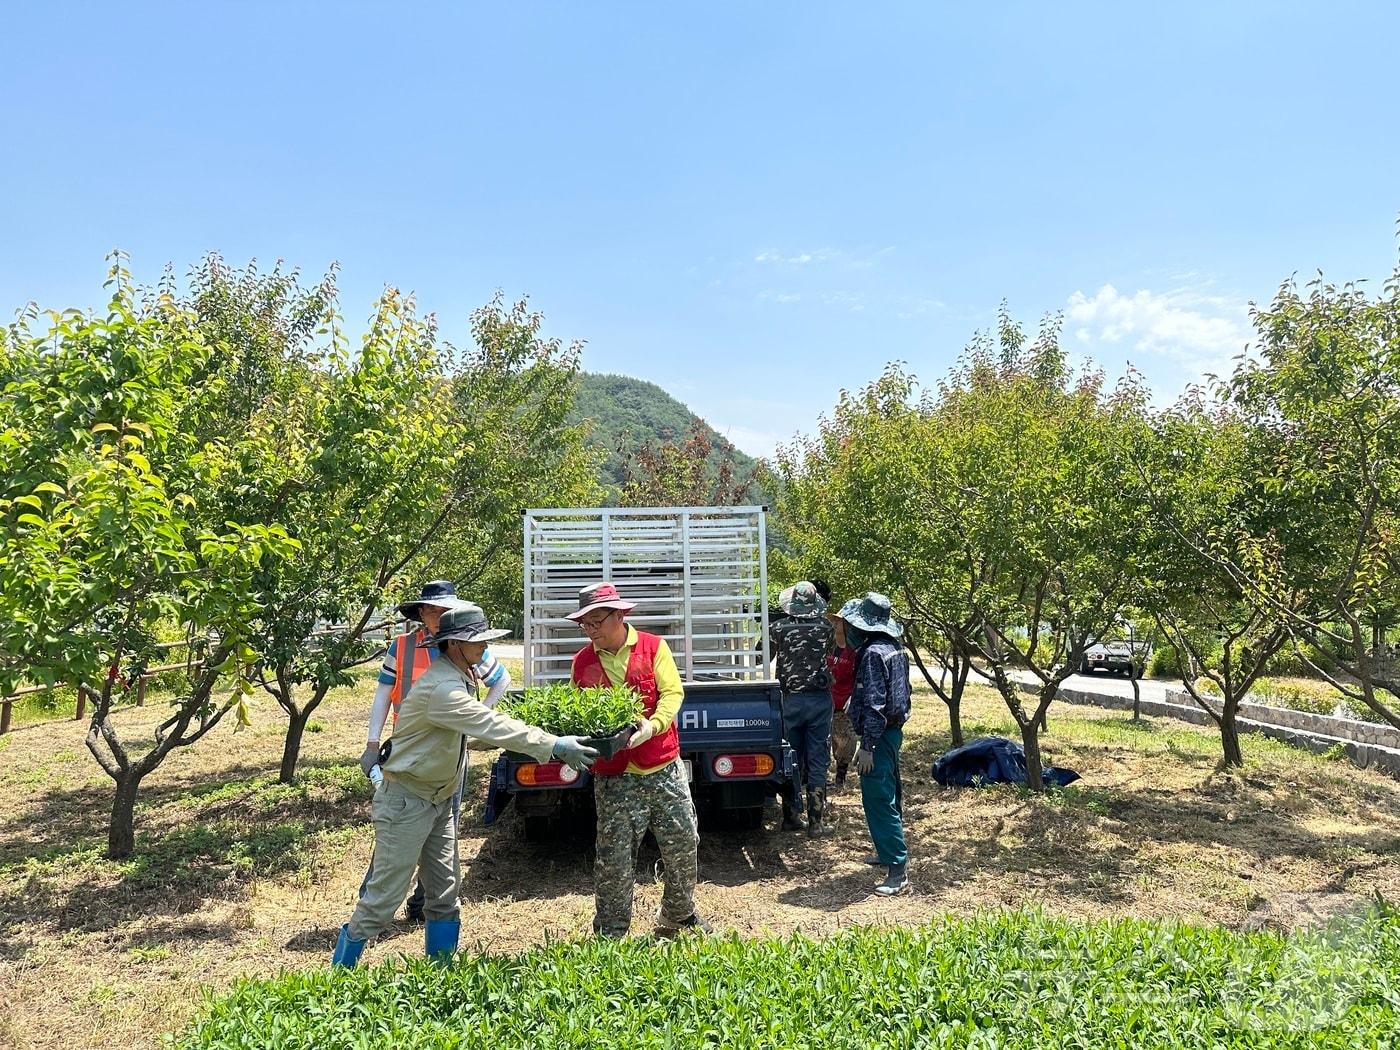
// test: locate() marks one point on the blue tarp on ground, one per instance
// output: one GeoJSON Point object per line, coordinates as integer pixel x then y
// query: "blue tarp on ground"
{"type": "Point", "coordinates": [992, 760]}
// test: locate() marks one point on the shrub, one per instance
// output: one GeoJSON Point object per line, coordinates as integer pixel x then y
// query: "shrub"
{"type": "Point", "coordinates": [1316, 698]}
{"type": "Point", "coordinates": [1008, 980]}
{"type": "Point", "coordinates": [1165, 662]}
{"type": "Point", "coordinates": [1206, 687]}
{"type": "Point", "coordinates": [1289, 662]}
{"type": "Point", "coordinates": [569, 710]}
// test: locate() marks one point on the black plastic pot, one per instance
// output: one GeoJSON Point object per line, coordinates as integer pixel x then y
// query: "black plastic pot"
{"type": "Point", "coordinates": [608, 746]}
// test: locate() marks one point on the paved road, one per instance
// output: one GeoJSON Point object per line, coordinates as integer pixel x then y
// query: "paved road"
{"type": "Point", "coordinates": [1107, 685]}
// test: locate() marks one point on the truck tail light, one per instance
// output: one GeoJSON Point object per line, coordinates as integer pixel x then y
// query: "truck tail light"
{"type": "Point", "coordinates": [544, 774]}
{"type": "Point", "coordinates": [742, 765]}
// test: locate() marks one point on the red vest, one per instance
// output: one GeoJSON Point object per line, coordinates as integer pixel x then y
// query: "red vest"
{"type": "Point", "coordinates": [660, 749]}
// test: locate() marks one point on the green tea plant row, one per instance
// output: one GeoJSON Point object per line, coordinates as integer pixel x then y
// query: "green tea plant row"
{"type": "Point", "coordinates": [1000, 980]}
{"type": "Point", "coordinates": [570, 710]}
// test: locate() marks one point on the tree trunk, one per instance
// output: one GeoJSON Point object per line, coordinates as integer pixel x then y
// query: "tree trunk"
{"type": "Point", "coordinates": [954, 703]}
{"type": "Point", "coordinates": [1230, 735]}
{"type": "Point", "coordinates": [291, 746]}
{"type": "Point", "coordinates": [1137, 699]}
{"type": "Point", "coordinates": [1030, 740]}
{"type": "Point", "coordinates": [955, 730]}
{"type": "Point", "coordinates": [121, 833]}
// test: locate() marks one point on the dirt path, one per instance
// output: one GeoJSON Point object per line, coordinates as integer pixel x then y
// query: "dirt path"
{"type": "Point", "coordinates": [238, 876]}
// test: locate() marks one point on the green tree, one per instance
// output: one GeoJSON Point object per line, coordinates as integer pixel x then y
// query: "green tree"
{"type": "Point", "coordinates": [829, 530]}
{"type": "Point", "coordinates": [1324, 384]}
{"type": "Point", "coordinates": [513, 393]}
{"type": "Point", "coordinates": [1001, 506]}
{"type": "Point", "coordinates": [104, 539]}
{"type": "Point", "coordinates": [358, 459]}
{"type": "Point", "coordinates": [1203, 466]}
{"type": "Point", "coordinates": [403, 459]}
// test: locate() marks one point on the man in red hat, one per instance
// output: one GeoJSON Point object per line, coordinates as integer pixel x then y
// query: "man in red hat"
{"type": "Point", "coordinates": [643, 787]}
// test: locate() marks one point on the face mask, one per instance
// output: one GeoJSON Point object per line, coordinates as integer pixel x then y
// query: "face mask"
{"type": "Point", "coordinates": [855, 637]}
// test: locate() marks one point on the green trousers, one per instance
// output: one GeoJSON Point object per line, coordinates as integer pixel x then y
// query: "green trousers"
{"type": "Point", "coordinates": [883, 799]}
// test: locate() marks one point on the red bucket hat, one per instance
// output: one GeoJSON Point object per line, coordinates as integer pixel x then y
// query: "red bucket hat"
{"type": "Point", "coordinates": [599, 596]}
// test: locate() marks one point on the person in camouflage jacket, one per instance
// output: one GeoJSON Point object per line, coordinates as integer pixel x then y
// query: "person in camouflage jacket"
{"type": "Point", "coordinates": [800, 643]}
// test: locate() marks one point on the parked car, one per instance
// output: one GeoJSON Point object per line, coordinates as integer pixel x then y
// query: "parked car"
{"type": "Point", "coordinates": [1113, 657]}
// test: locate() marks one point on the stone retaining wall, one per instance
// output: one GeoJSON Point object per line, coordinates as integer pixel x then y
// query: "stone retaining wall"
{"type": "Point", "coordinates": [1366, 744]}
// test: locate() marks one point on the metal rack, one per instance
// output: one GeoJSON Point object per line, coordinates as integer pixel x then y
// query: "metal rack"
{"type": "Point", "coordinates": [699, 576]}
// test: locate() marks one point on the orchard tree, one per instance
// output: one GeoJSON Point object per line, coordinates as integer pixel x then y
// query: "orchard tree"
{"type": "Point", "coordinates": [818, 484]}
{"type": "Point", "coordinates": [1028, 481]}
{"type": "Point", "coordinates": [401, 460]}
{"type": "Point", "coordinates": [1204, 467]}
{"type": "Point", "coordinates": [1324, 383]}
{"type": "Point", "coordinates": [683, 472]}
{"type": "Point", "coordinates": [355, 460]}
{"type": "Point", "coordinates": [1002, 506]}
{"type": "Point", "coordinates": [512, 389]}
{"type": "Point", "coordinates": [105, 539]}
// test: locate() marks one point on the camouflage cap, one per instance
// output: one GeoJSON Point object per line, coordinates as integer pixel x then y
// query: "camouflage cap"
{"type": "Point", "coordinates": [801, 599]}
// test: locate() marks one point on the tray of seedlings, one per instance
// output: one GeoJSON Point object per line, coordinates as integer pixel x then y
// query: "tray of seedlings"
{"type": "Point", "coordinates": [605, 716]}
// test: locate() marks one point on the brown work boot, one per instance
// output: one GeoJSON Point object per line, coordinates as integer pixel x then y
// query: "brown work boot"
{"type": "Point", "coordinates": [817, 812]}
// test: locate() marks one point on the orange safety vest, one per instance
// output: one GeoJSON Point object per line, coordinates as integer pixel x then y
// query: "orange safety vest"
{"type": "Point", "coordinates": [413, 659]}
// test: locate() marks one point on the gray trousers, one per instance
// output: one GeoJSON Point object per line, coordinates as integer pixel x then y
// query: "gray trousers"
{"type": "Point", "coordinates": [409, 833]}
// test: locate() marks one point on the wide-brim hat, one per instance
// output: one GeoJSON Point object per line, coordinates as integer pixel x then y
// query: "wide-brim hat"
{"type": "Point", "coordinates": [598, 596]}
{"type": "Point", "coordinates": [441, 593]}
{"type": "Point", "coordinates": [802, 599]}
{"type": "Point", "coordinates": [465, 624]}
{"type": "Point", "coordinates": [872, 614]}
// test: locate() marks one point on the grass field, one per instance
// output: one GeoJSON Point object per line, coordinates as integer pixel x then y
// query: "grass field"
{"type": "Point", "coordinates": [238, 876]}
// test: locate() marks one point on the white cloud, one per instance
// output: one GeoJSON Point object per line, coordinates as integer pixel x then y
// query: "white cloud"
{"type": "Point", "coordinates": [1198, 332]}
{"type": "Point", "coordinates": [862, 259]}
{"type": "Point", "coordinates": [849, 300]}
{"type": "Point", "coordinates": [800, 259]}
{"type": "Point", "coordinates": [916, 305]}
{"type": "Point", "coordinates": [768, 295]}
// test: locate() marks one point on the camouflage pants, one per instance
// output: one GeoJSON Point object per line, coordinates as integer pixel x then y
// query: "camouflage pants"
{"type": "Point", "coordinates": [843, 739]}
{"type": "Point", "coordinates": [629, 805]}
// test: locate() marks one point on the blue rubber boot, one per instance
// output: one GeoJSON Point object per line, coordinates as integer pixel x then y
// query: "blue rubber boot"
{"type": "Point", "coordinates": [347, 952]}
{"type": "Point", "coordinates": [440, 938]}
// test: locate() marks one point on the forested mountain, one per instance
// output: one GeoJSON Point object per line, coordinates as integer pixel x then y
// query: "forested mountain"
{"type": "Point", "coordinates": [628, 413]}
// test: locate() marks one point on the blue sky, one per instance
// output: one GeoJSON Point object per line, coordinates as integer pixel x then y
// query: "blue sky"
{"type": "Point", "coordinates": [753, 205]}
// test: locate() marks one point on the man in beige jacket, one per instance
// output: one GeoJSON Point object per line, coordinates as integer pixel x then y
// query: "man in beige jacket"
{"type": "Point", "coordinates": [414, 820]}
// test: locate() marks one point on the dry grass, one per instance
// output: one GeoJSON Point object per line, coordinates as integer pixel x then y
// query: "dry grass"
{"type": "Point", "coordinates": [236, 876]}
